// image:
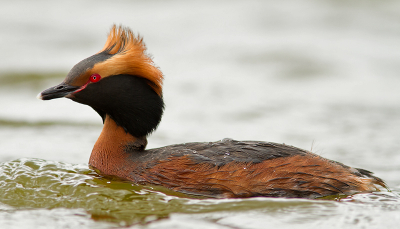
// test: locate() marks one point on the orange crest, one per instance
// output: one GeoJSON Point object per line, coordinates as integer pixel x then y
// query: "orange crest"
{"type": "Point", "coordinates": [129, 57]}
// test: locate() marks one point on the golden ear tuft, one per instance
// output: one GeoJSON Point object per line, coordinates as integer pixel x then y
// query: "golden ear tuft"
{"type": "Point", "coordinates": [121, 39]}
{"type": "Point", "coordinates": [129, 57]}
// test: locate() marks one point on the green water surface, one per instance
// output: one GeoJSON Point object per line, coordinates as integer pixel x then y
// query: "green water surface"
{"type": "Point", "coordinates": [35, 184]}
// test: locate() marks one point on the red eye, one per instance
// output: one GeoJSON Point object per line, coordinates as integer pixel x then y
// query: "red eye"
{"type": "Point", "coordinates": [95, 78]}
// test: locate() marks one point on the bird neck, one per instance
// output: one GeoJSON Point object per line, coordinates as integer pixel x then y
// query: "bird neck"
{"type": "Point", "coordinates": [113, 148]}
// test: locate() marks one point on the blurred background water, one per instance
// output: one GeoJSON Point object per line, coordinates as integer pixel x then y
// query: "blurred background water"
{"type": "Point", "coordinates": [320, 75]}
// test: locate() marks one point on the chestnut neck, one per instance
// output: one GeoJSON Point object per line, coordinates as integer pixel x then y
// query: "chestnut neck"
{"type": "Point", "coordinates": [113, 148]}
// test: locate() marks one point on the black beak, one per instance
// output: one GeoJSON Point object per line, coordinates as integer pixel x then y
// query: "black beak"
{"type": "Point", "coordinates": [58, 91]}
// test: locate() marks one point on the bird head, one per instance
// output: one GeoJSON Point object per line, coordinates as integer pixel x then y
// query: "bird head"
{"type": "Point", "coordinates": [120, 81]}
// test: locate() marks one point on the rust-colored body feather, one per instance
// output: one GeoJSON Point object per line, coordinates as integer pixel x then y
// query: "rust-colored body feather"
{"type": "Point", "coordinates": [294, 176]}
{"type": "Point", "coordinates": [197, 168]}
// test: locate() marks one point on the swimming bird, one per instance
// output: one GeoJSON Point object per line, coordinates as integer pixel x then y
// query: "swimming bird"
{"type": "Point", "coordinates": [122, 84]}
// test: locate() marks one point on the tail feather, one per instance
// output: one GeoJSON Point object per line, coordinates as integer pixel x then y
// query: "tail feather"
{"type": "Point", "coordinates": [369, 174]}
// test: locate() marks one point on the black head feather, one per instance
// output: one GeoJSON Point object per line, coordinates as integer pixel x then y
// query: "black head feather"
{"type": "Point", "coordinates": [128, 100]}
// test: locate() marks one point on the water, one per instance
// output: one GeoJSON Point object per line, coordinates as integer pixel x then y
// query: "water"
{"type": "Point", "coordinates": [70, 195]}
{"type": "Point", "coordinates": [320, 75]}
